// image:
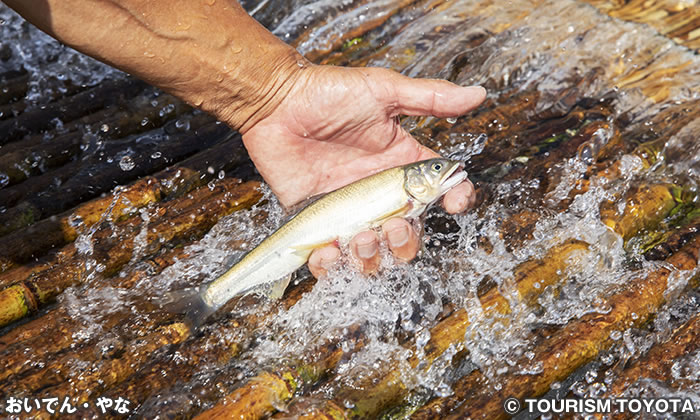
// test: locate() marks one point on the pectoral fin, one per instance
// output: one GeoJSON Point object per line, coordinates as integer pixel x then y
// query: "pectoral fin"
{"type": "Point", "coordinates": [277, 288]}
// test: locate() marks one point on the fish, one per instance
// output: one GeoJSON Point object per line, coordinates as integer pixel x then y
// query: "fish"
{"type": "Point", "coordinates": [403, 191]}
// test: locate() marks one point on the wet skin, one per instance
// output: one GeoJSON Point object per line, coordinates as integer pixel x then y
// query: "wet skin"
{"type": "Point", "coordinates": [323, 139]}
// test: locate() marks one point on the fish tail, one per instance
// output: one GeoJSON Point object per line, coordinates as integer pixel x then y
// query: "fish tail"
{"type": "Point", "coordinates": [190, 302]}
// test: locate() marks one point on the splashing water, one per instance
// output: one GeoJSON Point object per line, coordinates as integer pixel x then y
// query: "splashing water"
{"type": "Point", "coordinates": [51, 65]}
{"type": "Point", "coordinates": [464, 256]}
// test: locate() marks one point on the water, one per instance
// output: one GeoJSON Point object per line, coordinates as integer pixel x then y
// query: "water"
{"type": "Point", "coordinates": [386, 324]}
{"type": "Point", "coordinates": [52, 67]}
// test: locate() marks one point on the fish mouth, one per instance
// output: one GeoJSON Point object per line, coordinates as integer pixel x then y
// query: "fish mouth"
{"type": "Point", "coordinates": [453, 178]}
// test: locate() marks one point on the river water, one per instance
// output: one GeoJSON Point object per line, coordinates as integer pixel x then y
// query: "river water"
{"type": "Point", "coordinates": [588, 137]}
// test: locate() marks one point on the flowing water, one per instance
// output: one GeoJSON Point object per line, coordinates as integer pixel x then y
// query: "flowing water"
{"type": "Point", "coordinates": [588, 118]}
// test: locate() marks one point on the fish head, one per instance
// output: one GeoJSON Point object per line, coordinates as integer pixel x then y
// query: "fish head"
{"type": "Point", "coordinates": [426, 181]}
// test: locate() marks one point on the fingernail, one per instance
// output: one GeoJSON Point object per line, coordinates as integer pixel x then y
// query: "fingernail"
{"type": "Point", "coordinates": [367, 250]}
{"type": "Point", "coordinates": [476, 88]}
{"type": "Point", "coordinates": [398, 236]}
{"type": "Point", "coordinates": [329, 258]}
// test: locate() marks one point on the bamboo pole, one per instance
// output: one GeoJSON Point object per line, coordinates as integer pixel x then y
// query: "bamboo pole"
{"type": "Point", "coordinates": [531, 278]}
{"type": "Point", "coordinates": [155, 381]}
{"type": "Point", "coordinates": [13, 89]}
{"type": "Point", "coordinates": [568, 348]}
{"type": "Point", "coordinates": [644, 208]}
{"type": "Point", "coordinates": [69, 108]}
{"type": "Point", "coordinates": [181, 178]}
{"type": "Point", "coordinates": [261, 395]}
{"type": "Point", "coordinates": [191, 215]}
{"type": "Point", "coordinates": [97, 175]}
{"type": "Point", "coordinates": [102, 375]}
{"type": "Point", "coordinates": [659, 362]}
{"type": "Point", "coordinates": [53, 333]}
{"type": "Point", "coordinates": [35, 155]}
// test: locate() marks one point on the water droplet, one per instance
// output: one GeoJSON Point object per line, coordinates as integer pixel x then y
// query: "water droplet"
{"type": "Point", "coordinates": [452, 120]}
{"type": "Point", "coordinates": [349, 404]}
{"type": "Point", "coordinates": [127, 163]}
{"type": "Point", "coordinates": [156, 155]}
{"type": "Point", "coordinates": [443, 390]}
{"type": "Point", "coordinates": [166, 110]}
{"type": "Point", "coordinates": [182, 124]}
{"type": "Point", "coordinates": [616, 335]}
{"type": "Point", "coordinates": [591, 376]}
{"type": "Point", "coordinates": [422, 338]}
{"type": "Point", "coordinates": [222, 174]}
{"type": "Point", "coordinates": [104, 128]}
{"type": "Point", "coordinates": [144, 122]}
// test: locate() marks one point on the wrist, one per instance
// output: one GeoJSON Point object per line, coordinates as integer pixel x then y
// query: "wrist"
{"type": "Point", "coordinates": [253, 93]}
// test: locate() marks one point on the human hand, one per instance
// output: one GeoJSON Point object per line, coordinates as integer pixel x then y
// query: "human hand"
{"type": "Point", "coordinates": [336, 125]}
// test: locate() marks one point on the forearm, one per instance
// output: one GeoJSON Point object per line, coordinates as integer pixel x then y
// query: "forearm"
{"type": "Point", "coordinates": [214, 56]}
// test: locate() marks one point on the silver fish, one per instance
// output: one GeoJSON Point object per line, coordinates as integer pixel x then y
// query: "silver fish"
{"type": "Point", "coordinates": [403, 191]}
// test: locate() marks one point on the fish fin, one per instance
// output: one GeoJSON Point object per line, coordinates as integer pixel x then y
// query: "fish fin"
{"type": "Point", "coordinates": [292, 210]}
{"type": "Point", "coordinates": [277, 288]}
{"type": "Point", "coordinates": [190, 302]}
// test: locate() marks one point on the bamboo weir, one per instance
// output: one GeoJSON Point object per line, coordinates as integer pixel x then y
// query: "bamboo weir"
{"type": "Point", "coordinates": [575, 276]}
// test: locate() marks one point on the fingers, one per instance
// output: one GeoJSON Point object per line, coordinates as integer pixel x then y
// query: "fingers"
{"type": "Point", "coordinates": [322, 259]}
{"type": "Point", "coordinates": [439, 98]}
{"type": "Point", "coordinates": [459, 198]}
{"type": "Point", "coordinates": [402, 239]}
{"type": "Point", "coordinates": [365, 247]}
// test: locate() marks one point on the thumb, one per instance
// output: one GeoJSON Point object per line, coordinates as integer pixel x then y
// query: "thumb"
{"type": "Point", "coordinates": [438, 98]}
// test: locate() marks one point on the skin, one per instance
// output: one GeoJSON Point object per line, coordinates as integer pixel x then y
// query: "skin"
{"type": "Point", "coordinates": [309, 129]}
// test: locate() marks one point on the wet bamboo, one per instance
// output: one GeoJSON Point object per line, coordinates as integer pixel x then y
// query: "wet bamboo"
{"type": "Point", "coordinates": [659, 362]}
{"type": "Point", "coordinates": [45, 184]}
{"type": "Point", "coordinates": [53, 332]}
{"type": "Point", "coordinates": [568, 348]}
{"type": "Point", "coordinates": [188, 216]}
{"type": "Point", "coordinates": [57, 231]}
{"type": "Point", "coordinates": [261, 395]}
{"type": "Point", "coordinates": [654, 204]}
{"type": "Point", "coordinates": [16, 249]}
{"type": "Point", "coordinates": [645, 208]}
{"type": "Point", "coordinates": [13, 89]}
{"type": "Point", "coordinates": [69, 108]}
{"type": "Point", "coordinates": [102, 375]}
{"type": "Point", "coordinates": [97, 175]}
{"type": "Point", "coordinates": [676, 20]}
{"type": "Point", "coordinates": [35, 155]}
{"type": "Point", "coordinates": [335, 42]}
{"type": "Point", "coordinates": [209, 350]}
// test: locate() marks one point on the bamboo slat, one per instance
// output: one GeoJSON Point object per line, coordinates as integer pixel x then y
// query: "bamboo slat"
{"type": "Point", "coordinates": [568, 348]}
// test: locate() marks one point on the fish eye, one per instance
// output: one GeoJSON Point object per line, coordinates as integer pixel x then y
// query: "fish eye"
{"type": "Point", "coordinates": [437, 166]}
